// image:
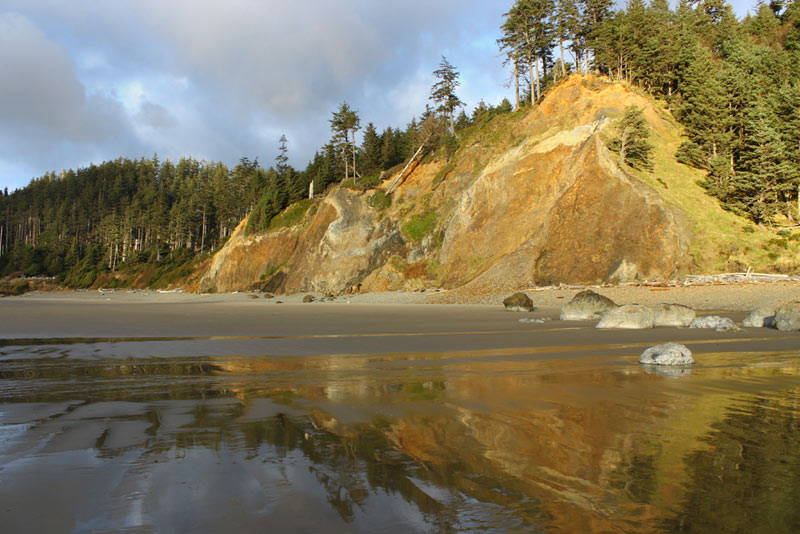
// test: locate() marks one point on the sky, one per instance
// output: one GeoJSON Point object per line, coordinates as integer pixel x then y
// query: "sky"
{"type": "Point", "coordinates": [87, 81]}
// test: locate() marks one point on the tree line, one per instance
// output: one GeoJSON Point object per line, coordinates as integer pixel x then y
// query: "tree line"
{"type": "Point", "coordinates": [124, 214]}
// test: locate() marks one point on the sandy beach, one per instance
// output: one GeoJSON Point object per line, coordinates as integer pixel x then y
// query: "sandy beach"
{"type": "Point", "coordinates": [148, 411]}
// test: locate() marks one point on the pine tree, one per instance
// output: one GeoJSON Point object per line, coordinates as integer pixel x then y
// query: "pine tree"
{"type": "Point", "coordinates": [443, 91]}
{"type": "Point", "coordinates": [632, 145]}
{"type": "Point", "coordinates": [281, 160]}
{"type": "Point", "coordinates": [371, 150]}
{"type": "Point", "coordinates": [345, 123]}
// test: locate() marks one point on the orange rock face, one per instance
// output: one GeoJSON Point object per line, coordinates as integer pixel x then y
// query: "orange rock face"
{"type": "Point", "coordinates": [541, 202]}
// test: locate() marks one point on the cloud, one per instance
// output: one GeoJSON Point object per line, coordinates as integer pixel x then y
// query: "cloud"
{"type": "Point", "coordinates": [218, 80]}
{"type": "Point", "coordinates": [46, 114]}
{"type": "Point", "coordinates": [154, 116]}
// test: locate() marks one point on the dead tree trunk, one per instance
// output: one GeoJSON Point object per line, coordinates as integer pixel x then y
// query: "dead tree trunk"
{"type": "Point", "coordinates": [402, 173]}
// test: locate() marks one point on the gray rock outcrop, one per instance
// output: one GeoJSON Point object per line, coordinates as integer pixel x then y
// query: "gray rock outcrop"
{"type": "Point", "coordinates": [587, 306]}
{"type": "Point", "coordinates": [630, 316]}
{"type": "Point", "coordinates": [715, 322]}
{"type": "Point", "coordinates": [763, 317]}
{"type": "Point", "coordinates": [787, 317]}
{"type": "Point", "coordinates": [672, 315]}
{"type": "Point", "coordinates": [667, 354]}
{"type": "Point", "coordinates": [518, 302]}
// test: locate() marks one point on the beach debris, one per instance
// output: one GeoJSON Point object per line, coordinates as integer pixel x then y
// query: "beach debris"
{"type": "Point", "coordinates": [672, 315]}
{"type": "Point", "coordinates": [269, 296]}
{"type": "Point", "coordinates": [630, 316]}
{"type": "Point", "coordinates": [586, 306]}
{"type": "Point", "coordinates": [250, 295]}
{"type": "Point", "coordinates": [667, 354]}
{"type": "Point", "coordinates": [308, 298]}
{"type": "Point", "coordinates": [715, 322]}
{"type": "Point", "coordinates": [787, 317]}
{"type": "Point", "coordinates": [535, 321]}
{"type": "Point", "coordinates": [762, 317]}
{"type": "Point", "coordinates": [518, 302]}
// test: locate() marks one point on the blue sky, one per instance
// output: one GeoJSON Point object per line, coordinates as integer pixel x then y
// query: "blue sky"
{"type": "Point", "coordinates": [86, 81]}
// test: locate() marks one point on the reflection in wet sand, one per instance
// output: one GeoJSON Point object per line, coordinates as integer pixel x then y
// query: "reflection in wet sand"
{"type": "Point", "coordinates": [398, 442]}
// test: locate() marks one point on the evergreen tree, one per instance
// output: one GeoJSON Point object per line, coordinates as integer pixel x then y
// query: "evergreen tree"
{"type": "Point", "coordinates": [443, 91]}
{"type": "Point", "coordinates": [631, 144]}
{"type": "Point", "coordinates": [282, 160]}
{"type": "Point", "coordinates": [371, 149]}
{"type": "Point", "coordinates": [345, 123]}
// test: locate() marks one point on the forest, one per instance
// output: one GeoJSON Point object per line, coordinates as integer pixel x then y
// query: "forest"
{"type": "Point", "coordinates": [733, 84]}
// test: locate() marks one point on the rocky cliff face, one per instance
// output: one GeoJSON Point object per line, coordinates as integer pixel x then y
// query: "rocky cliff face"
{"type": "Point", "coordinates": [530, 199]}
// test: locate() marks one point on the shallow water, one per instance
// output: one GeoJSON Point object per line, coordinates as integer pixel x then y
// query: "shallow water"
{"type": "Point", "coordinates": [504, 440]}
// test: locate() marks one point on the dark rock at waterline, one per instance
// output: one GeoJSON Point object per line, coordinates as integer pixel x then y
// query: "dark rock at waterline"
{"type": "Point", "coordinates": [667, 354]}
{"type": "Point", "coordinates": [787, 317]}
{"type": "Point", "coordinates": [587, 306]}
{"type": "Point", "coordinates": [518, 302]}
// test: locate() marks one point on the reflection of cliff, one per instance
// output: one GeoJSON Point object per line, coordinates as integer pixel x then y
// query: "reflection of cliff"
{"type": "Point", "coordinates": [747, 477]}
{"type": "Point", "coordinates": [593, 460]}
{"type": "Point", "coordinates": [505, 444]}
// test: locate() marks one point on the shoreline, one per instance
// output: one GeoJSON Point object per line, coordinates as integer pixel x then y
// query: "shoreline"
{"type": "Point", "coordinates": [728, 296]}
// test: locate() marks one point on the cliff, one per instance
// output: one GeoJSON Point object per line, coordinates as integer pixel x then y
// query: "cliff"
{"type": "Point", "coordinates": [529, 198]}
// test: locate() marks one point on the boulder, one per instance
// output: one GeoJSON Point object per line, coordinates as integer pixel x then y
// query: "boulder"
{"type": "Point", "coordinates": [518, 302]}
{"type": "Point", "coordinates": [631, 316]}
{"type": "Point", "coordinates": [587, 306]}
{"type": "Point", "coordinates": [667, 354]}
{"type": "Point", "coordinates": [763, 317]}
{"type": "Point", "coordinates": [672, 315]}
{"type": "Point", "coordinates": [720, 324]}
{"type": "Point", "coordinates": [787, 317]}
{"type": "Point", "coordinates": [308, 298]}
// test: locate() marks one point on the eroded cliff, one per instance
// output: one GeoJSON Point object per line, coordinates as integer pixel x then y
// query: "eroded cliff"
{"type": "Point", "coordinates": [530, 198]}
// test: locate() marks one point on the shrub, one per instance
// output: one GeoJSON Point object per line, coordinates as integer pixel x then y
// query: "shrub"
{"type": "Point", "coordinates": [379, 200]}
{"type": "Point", "coordinates": [420, 225]}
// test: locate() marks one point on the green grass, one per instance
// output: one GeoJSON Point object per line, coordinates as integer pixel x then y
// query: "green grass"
{"type": "Point", "coordinates": [420, 225]}
{"type": "Point", "coordinates": [292, 215]}
{"type": "Point", "coordinates": [721, 240]}
{"type": "Point", "coordinates": [379, 200]}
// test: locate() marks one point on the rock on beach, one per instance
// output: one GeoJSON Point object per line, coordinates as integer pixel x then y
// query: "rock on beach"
{"type": "Point", "coordinates": [587, 306]}
{"type": "Point", "coordinates": [667, 354]}
{"type": "Point", "coordinates": [630, 316]}
{"type": "Point", "coordinates": [787, 317]}
{"type": "Point", "coordinates": [763, 317]}
{"type": "Point", "coordinates": [715, 322]}
{"type": "Point", "coordinates": [673, 315]}
{"type": "Point", "coordinates": [518, 302]}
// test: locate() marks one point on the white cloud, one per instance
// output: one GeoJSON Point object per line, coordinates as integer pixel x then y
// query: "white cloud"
{"type": "Point", "coordinates": [46, 113]}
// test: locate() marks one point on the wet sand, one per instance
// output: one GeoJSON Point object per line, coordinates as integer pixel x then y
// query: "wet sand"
{"type": "Point", "coordinates": [207, 413]}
